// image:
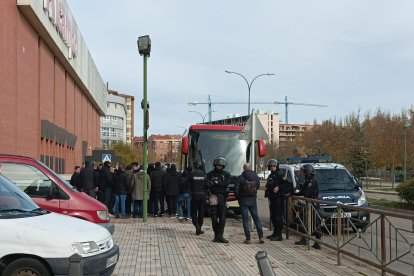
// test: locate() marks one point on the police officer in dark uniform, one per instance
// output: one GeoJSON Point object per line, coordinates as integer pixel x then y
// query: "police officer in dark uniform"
{"type": "Point", "coordinates": [275, 189]}
{"type": "Point", "coordinates": [198, 190]}
{"type": "Point", "coordinates": [310, 189]}
{"type": "Point", "coordinates": [218, 181]}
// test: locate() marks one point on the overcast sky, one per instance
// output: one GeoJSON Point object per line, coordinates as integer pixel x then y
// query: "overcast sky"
{"type": "Point", "coordinates": [349, 55]}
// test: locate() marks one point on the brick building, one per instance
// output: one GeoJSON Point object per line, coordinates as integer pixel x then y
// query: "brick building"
{"type": "Point", "coordinates": [51, 93]}
{"type": "Point", "coordinates": [163, 148]}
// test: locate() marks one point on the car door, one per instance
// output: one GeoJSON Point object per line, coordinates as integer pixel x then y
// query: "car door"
{"type": "Point", "coordinates": [34, 183]}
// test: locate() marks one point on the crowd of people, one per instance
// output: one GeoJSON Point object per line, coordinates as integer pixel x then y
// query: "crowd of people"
{"type": "Point", "coordinates": [188, 193]}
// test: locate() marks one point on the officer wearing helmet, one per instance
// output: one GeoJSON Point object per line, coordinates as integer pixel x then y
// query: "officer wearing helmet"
{"type": "Point", "coordinates": [309, 189]}
{"type": "Point", "coordinates": [275, 189]}
{"type": "Point", "coordinates": [217, 182]}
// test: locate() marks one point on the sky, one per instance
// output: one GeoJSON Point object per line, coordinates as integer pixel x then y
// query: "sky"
{"type": "Point", "coordinates": [352, 56]}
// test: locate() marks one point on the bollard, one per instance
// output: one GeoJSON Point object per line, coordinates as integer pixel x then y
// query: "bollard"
{"type": "Point", "coordinates": [75, 265]}
{"type": "Point", "coordinates": [265, 268]}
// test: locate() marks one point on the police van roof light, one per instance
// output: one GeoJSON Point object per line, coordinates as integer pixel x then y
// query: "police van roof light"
{"type": "Point", "coordinates": [310, 159]}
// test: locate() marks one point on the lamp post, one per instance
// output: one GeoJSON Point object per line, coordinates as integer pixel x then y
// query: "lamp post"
{"type": "Point", "coordinates": [249, 84]}
{"type": "Point", "coordinates": [144, 49]}
{"type": "Point", "coordinates": [203, 117]}
{"type": "Point", "coordinates": [406, 125]}
{"type": "Point", "coordinates": [209, 108]}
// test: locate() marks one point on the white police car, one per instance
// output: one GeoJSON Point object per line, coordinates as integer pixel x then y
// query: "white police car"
{"type": "Point", "coordinates": [335, 184]}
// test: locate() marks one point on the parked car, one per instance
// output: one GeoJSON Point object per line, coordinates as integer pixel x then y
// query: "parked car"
{"type": "Point", "coordinates": [51, 192]}
{"type": "Point", "coordinates": [336, 185]}
{"type": "Point", "coordinates": [38, 242]}
{"type": "Point", "coordinates": [263, 175]}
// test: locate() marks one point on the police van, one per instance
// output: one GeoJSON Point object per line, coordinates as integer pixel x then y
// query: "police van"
{"type": "Point", "coordinates": [336, 184]}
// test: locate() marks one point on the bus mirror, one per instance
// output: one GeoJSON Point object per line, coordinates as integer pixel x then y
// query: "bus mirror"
{"type": "Point", "coordinates": [184, 145]}
{"type": "Point", "coordinates": [262, 146]}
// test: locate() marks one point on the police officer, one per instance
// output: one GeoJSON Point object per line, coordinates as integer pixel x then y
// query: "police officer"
{"type": "Point", "coordinates": [218, 181]}
{"type": "Point", "coordinates": [309, 189]}
{"type": "Point", "coordinates": [275, 189]}
{"type": "Point", "coordinates": [198, 190]}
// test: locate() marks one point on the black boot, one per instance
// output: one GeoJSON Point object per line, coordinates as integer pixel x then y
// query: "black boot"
{"type": "Point", "coordinates": [276, 238]}
{"type": "Point", "coordinates": [303, 241]}
{"type": "Point", "coordinates": [317, 245]}
{"type": "Point", "coordinates": [270, 236]}
{"type": "Point", "coordinates": [222, 240]}
{"type": "Point", "coordinates": [199, 231]}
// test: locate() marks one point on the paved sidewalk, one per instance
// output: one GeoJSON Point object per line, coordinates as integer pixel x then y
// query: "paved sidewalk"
{"type": "Point", "coordinates": [165, 246]}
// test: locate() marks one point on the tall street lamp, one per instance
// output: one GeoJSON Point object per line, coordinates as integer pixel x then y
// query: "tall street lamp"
{"type": "Point", "coordinates": [406, 125]}
{"type": "Point", "coordinates": [249, 85]}
{"type": "Point", "coordinates": [203, 117]}
{"type": "Point", "coordinates": [144, 49]}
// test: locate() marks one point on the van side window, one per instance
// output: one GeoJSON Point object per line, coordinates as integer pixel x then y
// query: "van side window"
{"type": "Point", "coordinates": [27, 178]}
{"type": "Point", "coordinates": [289, 177]}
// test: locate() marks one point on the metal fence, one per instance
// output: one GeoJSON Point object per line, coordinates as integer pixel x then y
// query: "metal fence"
{"type": "Point", "coordinates": [382, 239]}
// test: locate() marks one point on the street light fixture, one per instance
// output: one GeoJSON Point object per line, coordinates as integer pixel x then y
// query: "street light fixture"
{"type": "Point", "coordinates": [249, 85]}
{"type": "Point", "coordinates": [203, 117]}
{"type": "Point", "coordinates": [406, 125]}
{"type": "Point", "coordinates": [144, 49]}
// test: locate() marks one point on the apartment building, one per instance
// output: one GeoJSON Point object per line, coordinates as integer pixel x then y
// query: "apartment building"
{"type": "Point", "coordinates": [163, 148]}
{"type": "Point", "coordinates": [269, 120]}
{"type": "Point", "coordinates": [278, 133]}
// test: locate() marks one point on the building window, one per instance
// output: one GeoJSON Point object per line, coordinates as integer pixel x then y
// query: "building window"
{"type": "Point", "coordinates": [105, 131]}
{"type": "Point", "coordinates": [106, 120]}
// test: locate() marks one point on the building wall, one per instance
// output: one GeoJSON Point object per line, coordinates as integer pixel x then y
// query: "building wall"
{"type": "Point", "coordinates": [41, 84]}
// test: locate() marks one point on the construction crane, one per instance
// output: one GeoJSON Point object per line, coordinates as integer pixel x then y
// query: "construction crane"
{"type": "Point", "coordinates": [286, 103]}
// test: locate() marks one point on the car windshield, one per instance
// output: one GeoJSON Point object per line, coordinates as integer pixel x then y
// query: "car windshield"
{"type": "Point", "coordinates": [204, 146]}
{"type": "Point", "coordinates": [13, 201]}
{"type": "Point", "coordinates": [332, 179]}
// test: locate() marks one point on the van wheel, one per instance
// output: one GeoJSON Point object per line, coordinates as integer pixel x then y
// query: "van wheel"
{"type": "Point", "coordinates": [26, 267]}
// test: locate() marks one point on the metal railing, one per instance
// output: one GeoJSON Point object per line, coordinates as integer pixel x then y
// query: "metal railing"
{"type": "Point", "coordinates": [380, 238]}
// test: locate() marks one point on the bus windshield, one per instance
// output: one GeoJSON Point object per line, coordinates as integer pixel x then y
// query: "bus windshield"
{"type": "Point", "coordinates": [205, 145]}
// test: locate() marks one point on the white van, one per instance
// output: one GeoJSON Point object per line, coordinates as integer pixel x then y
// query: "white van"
{"type": "Point", "coordinates": [37, 242]}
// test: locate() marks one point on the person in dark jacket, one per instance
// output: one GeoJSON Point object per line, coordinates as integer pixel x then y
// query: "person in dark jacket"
{"type": "Point", "coordinates": [156, 176]}
{"type": "Point", "coordinates": [76, 180]}
{"type": "Point", "coordinates": [87, 179]}
{"type": "Point", "coordinates": [198, 190]}
{"type": "Point", "coordinates": [106, 183]}
{"type": "Point", "coordinates": [217, 182]}
{"type": "Point", "coordinates": [247, 196]}
{"type": "Point", "coordinates": [184, 196]}
{"type": "Point", "coordinates": [171, 187]}
{"type": "Point", "coordinates": [310, 189]}
{"type": "Point", "coordinates": [276, 188]}
{"type": "Point", "coordinates": [120, 189]}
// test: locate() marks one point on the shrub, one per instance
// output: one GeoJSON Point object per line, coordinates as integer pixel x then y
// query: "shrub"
{"type": "Point", "coordinates": [406, 191]}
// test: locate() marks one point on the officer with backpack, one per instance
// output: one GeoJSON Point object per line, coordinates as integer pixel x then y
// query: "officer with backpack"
{"type": "Point", "coordinates": [246, 191]}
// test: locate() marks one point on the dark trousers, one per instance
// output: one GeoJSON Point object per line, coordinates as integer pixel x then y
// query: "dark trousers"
{"type": "Point", "coordinates": [153, 202]}
{"type": "Point", "coordinates": [107, 198]}
{"type": "Point", "coordinates": [198, 203]}
{"type": "Point", "coordinates": [218, 216]}
{"type": "Point", "coordinates": [161, 198]}
{"type": "Point", "coordinates": [277, 208]}
{"type": "Point", "coordinates": [172, 205]}
{"type": "Point", "coordinates": [128, 204]}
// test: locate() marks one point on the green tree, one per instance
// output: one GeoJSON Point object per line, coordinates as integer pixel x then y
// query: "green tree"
{"type": "Point", "coordinates": [128, 153]}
